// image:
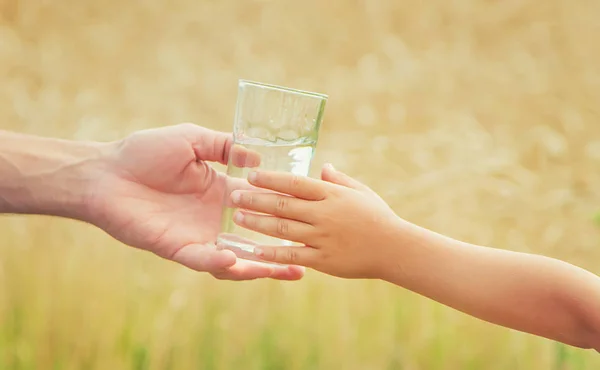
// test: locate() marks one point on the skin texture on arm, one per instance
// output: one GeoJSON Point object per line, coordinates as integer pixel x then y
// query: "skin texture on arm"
{"type": "Point", "coordinates": [349, 231]}
{"type": "Point", "coordinates": [47, 176]}
{"type": "Point", "coordinates": [153, 190]}
{"type": "Point", "coordinates": [526, 292]}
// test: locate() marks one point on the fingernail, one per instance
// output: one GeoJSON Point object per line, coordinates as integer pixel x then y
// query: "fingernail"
{"type": "Point", "coordinates": [259, 252]}
{"type": "Point", "coordinates": [236, 196]}
{"type": "Point", "coordinates": [238, 217]}
{"type": "Point", "coordinates": [252, 176]}
{"type": "Point", "coordinates": [330, 166]}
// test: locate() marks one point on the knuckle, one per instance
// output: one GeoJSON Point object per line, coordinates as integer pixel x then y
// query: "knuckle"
{"type": "Point", "coordinates": [282, 227]}
{"type": "Point", "coordinates": [319, 234]}
{"type": "Point", "coordinates": [292, 255]}
{"type": "Point", "coordinates": [295, 181]}
{"type": "Point", "coordinates": [272, 254]}
{"type": "Point", "coordinates": [281, 204]}
{"type": "Point", "coordinates": [247, 199]}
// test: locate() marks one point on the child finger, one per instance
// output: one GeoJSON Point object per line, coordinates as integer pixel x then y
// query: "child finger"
{"type": "Point", "coordinates": [233, 184]}
{"type": "Point", "coordinates": [274, 226]}
{"type": "Point", "coordinates": [299, 256]}
{"type": "Point", "coordinates": [273, 204]}
{"type": "Point", "coordinates": [282, 182]}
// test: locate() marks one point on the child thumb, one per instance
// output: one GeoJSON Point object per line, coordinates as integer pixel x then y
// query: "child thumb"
{"type": "Point", "coordinates": [330, 174]}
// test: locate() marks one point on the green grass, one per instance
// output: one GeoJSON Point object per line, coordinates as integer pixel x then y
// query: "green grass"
{"type": "Point", "coordinates": [155, 315]}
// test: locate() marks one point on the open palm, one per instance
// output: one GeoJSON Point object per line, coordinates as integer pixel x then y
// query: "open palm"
{"type": "Point", "coordinates": [161, 195]}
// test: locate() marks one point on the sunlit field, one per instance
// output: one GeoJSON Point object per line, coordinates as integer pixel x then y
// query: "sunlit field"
{"type": "Point", "coordinates": [477, 119]}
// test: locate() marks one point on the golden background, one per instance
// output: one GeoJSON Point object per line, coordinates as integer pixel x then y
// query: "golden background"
{"type": "Point", "coordinates": [478, 119]}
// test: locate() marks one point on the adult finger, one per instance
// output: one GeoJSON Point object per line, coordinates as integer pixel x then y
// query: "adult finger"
{"type": "Point", "coordinates": [249, 270]}
{"type": "Point", "coordinates": [273, 204]}
{"type": "Point", "coordinates": [243, 157]}
{"type": "Point", "coordinates": [216, 146]}
{"type": "Point", "coordinates": [202, 257]}
{"type": "Point", "coordinates": [303, 256]}
{"type": "Point", "coordinates": [289, 273]}
{"type": "Point", "coordinates": [274, 226]}
{"type": "Point", "coordinates": [224, 265]}
{"type": "Point", "coordinates": [233, 184]}
{"type": "Point", "coordinates": [283, 182]}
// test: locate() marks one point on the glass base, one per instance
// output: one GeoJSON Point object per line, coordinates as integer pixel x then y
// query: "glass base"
{"type": "Point", "coordinates": [242, 247]}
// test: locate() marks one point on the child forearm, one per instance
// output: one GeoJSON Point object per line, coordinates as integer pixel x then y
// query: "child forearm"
{"type": "Point", "coordinates": [529, 293]}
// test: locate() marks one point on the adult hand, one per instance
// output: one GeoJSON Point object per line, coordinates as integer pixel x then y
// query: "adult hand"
{"type": "Point", "coordinates": [157, 192]}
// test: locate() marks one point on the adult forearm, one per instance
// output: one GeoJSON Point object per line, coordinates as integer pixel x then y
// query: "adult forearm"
{"type": "Point", "coordinates": [530, 293]}
{"type": "Point", "coordinates": [46, 176]}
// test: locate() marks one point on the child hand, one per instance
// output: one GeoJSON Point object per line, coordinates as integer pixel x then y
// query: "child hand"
{"type": "Point", "coordinates": [344, 225]}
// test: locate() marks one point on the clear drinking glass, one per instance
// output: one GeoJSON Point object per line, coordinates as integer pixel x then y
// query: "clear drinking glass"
{"type": "Point", "coordinates": [275, 129]}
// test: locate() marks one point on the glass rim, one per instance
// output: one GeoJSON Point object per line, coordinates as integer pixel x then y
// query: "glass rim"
{"type": "Point", "coordinates": [283, 89]}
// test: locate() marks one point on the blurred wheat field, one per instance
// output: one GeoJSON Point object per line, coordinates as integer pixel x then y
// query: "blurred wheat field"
{"type": "Point", "coordinates": [478, 119]}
